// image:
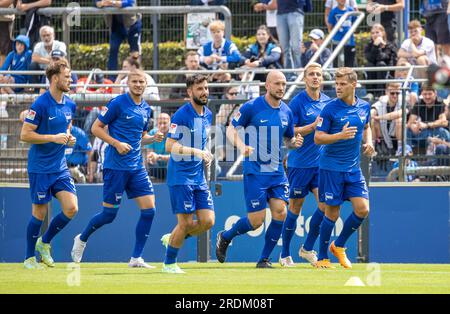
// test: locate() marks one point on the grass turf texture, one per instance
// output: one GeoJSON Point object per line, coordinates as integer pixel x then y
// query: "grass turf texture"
{"type": "Point", "coordinates": [214, 278]}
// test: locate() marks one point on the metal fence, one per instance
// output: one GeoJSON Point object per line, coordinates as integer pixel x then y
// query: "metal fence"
{"type": "Point", "coordinates": [245, 21]}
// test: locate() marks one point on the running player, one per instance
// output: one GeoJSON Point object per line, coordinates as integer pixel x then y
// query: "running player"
{"type": "Point", "coordinates": [126, 117]}
{"type": "Point", "coordinates": [189, 192]}
{"type": "Point", "coordinates": [343, 124]}
{"type": "Point", "coordinates": [267, 120]}
{"type": "Point", "coordinates": [303, 165]}
{"type": "Point", "coordinates": [47, 127]}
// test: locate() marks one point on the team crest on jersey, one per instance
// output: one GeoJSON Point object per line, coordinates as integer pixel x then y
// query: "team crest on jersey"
{"type": "Point", "coordinates": [173, 128]}
{"type": "Point", "coordinates": [284, 123]}
{"type": "Point", "coordinates": [255, 203]}
{"type": "Point", "coordinates": [68, 116]}
{"type": "Point", "coordinates": [362, 117]}
{"type": "Point", "coordinates": [319, 122]}
{"type": "Point", "coordinates": [104, 111]}
{"type": "Point", "coordinates": [31, 114]}
{"type": "Point", "coordinates": [237, 116]}
{"type": "Point", "coordinates": [187, 205]}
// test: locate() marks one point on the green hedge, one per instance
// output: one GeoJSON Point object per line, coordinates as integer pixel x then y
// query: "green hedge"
{"type": "Point", "coordinates": [171, 54]}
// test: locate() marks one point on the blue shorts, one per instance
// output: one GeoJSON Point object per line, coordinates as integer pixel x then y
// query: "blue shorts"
{"type": "Point", "coordinates": [136, 183]}
{"type": "Point", "coordinates": [186, 199]}
{"type": "Point", "coordinates": [258, 189]}
{"type": "Point", "coordinates": [302, 181]}
{"type": "Point", "coordinates": [45, 185]}
{"type": "Point", "coordinates": [335, 187]}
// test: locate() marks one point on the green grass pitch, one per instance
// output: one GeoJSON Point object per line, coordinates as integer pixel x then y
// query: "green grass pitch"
{"type": "Point", "coordinates": [218, 278]}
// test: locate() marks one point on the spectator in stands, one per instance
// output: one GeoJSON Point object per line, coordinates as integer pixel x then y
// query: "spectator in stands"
{"type": "Point", "coordinates": [158, 157]}
{"type": "Point", "coordinates": [417, 50]}
{"type": "Point", "coordinates": [130, 64]}
{"type": "Point", "coordinates": [386, 116]}
{"type": "Point", "coordinates": [265, 53]}
{"type": "Point", "coordinates": [6, 27]}
{"type": "Point", "coordinates": [436, 27]}
{"type": "Point", "coordinates": [427, 119]}
{"type": "Point", "coordinates": [208, 2]}
{"type": "Point", "coordinates": [41, 52]}
{"type": "Point", "coordinates": [441, 146]}
{"type": "Point", "coordinates": [227, 111]}
{"type": "Point", "coordinates": [409, 163]}
{"type": "Point", "coordinates": [270, 7]}
{"type": "Point", "coordinates": [33, 22]}
{"type": "Point", "coordinates": [290, 21]}
{"type": "Point", "coordinates": [309, 48]}
{"type": "Point", "coordinates": [349, 48]}
{"type": "Point", "coordinates": [331, 4]}
{"type": "Point", "coordinates": [412, 88]}
{"type": "Point", "coordinates": [95, 164]}
{"type": "Point", "coordinates": [220, 52]}
{"type": "Point", "coordinates": [192, 63]}
{"type": "Point", "coordinates": [17, 60]}
{"type": "Point", "coordinates": [126, 26]}
{"type": "Point", "coordinates": [77, 156]}
{"type": "Point", "coordinates": [379, 53]}
{"type": "Point", "coordinates": [386, 9]}
{"type": "Point", "coordinates": [220, 77]}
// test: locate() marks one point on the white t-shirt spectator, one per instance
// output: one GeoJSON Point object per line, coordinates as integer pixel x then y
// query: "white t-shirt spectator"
{"type": "Point", "coordinates": [426, 45]}
{"type": "Point", "coordinates": [40, 50]}
{"type": "Point", "coordinates": [333, 3]}
{"type": "Point", "coordinates": [151, 89]}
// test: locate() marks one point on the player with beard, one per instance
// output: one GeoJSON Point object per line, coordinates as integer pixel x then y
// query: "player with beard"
{"type": "Point", "coordinates": [126, 118]}
{"type": "Point", "coordinates": [189, 192]}
{"type": "Point", "coordinates": [265, 120]}
{"type": "Point", "coordinates": [47, 127]}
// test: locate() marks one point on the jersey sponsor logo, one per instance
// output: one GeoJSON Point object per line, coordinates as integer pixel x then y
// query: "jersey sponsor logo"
{"type": "Point", "coordinates": [237, 116]}
{"type": "Point", "coordinates": [328, 196]}
{"type": "Point", "coordinates": [31, 114]}
{"type": "Point", "coordinates": [104, 111]}
{"type": "Point", "coordinates": [173, 128]}
{"type": "Point", "coordinates": [319, 122]}
{"type": "Point", "coordinates": [41, 195]}
{"type": "Point", "coordinates": [254, 203]}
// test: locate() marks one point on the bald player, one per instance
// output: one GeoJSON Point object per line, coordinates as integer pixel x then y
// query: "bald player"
{"type": "Point", "coordinates": [263, 123]}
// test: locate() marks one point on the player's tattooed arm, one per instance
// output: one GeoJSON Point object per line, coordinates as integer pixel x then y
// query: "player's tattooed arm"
{"type": "Point", "coordinates": [235, 139]}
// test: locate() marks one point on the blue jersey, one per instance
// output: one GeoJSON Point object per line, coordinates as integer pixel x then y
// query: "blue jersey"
{"type": "Point", "coordinates": [343, 155]}
{"type": "Point", "coordinates": [189, 129]}
{"type": "Point", "coordinates": [77, 155]}
{"type": "Point", "coordinates": [333, 18]}
{"type": "Point", "coordinates": [265, 128]}
{"type": "Point", "coordinates": [126, 122]}
{"type": "Point", "coordinates": [305, 111]}
{"type": "Point", "coordinates": [50, 117]}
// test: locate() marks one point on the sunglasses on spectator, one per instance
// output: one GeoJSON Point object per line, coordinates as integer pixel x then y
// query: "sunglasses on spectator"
{"type": "Point", "coordinates": [394, 93]}
{"type": "Point", "coordinates": [233, 94]}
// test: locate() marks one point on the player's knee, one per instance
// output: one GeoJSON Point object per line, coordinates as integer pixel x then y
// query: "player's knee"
{"type": "Point", "coordinates": [257, 222]}
{"type": "Point", "coordinates": [362, 212]}
{"type": "Point", "coordinates": [71, 211]}
{"type": "Point", "coordinates": [207, 223]}
{"type": "Point", "coordinates": [148, 214]}
{"type": "Point", "coordinates": [109, 215]}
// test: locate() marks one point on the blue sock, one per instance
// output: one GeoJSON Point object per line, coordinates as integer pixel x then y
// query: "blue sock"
{"type": "Point", "coordinates": [33, 230]}
{"type": "Point", "coordinates": [242, 226]}
{"type": "Point", "coordinates": [171, 255]}
{"type": "Point", "coordinates": [57, 224]}
{"type": "Point", "coordinates": [272, 236]}
{"type": "Point", "coordinates": [289, 226]}
{"type": "Point", "coordinates": [105, 217]}
{"type": "Point", "coordinates": [326, 228]}
{"type": "Point", "coordinates": [350, 225]}
{"type": "Point", "coordinates": [314, 229]}
{"type": "Point", "coordinates": [142, 230]}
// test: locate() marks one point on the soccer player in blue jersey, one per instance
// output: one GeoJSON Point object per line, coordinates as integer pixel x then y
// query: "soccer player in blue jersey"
{"type": "Point", "coordinates": [127, 117]}
{"type": "Point", "coordinates": [343, 124]}
{"type": "Point", "coordinates": [303, 165]}
{"type": "Point", "coordinates": [47, 127]}
{"type": "Point", "coordinates": [189, 192]}
{"type": "Point", "coordinates": [265, 121]}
